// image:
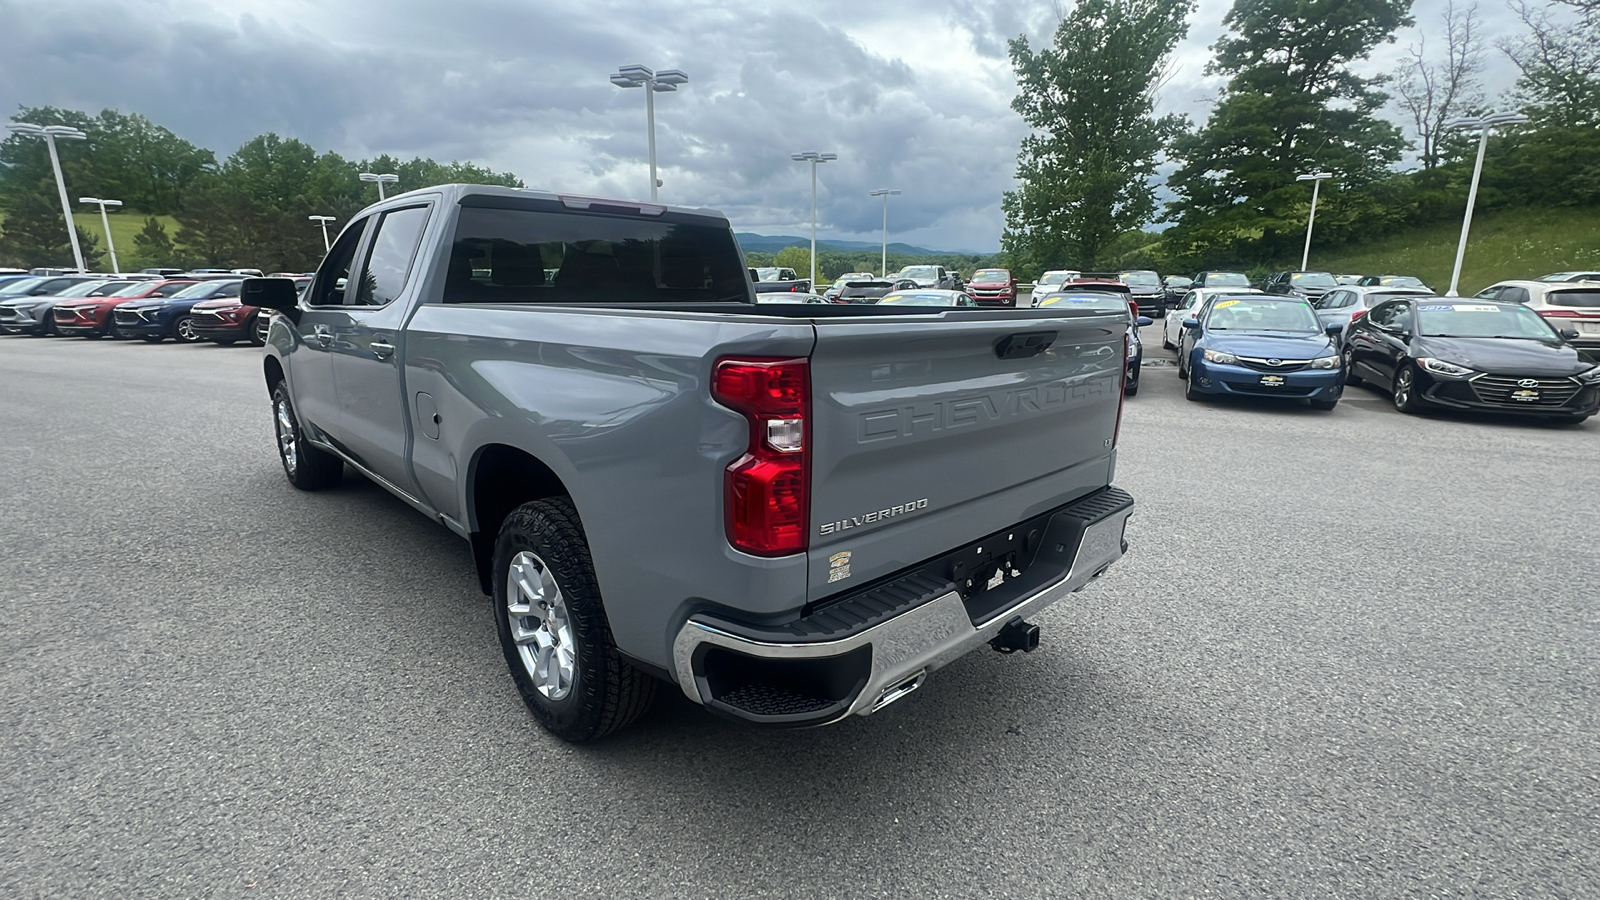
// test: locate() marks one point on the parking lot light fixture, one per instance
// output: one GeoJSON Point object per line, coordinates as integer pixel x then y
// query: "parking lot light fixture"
{"type": "Point", "coordinates": [1316, 179]}
{"type": "Point", "coordinates": [1484, 124]}
{"type": "Point", "coordinates": [106, 224]}
{"type": "Point", "coordinates": [815, 158]}
{"type": "Point", "coordinates": [323, 221]}
{"type": "Point", "coordinates": [379, 180]}
{"type": "Point", "coordinates": [885, 193]}
{"type": "Point", "coordinates": [664, 81]}
{"type": "Point", "coordinates": [50, 133]}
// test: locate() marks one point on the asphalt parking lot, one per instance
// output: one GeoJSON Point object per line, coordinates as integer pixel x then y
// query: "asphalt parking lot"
{"type": "Point", "coordinates": [1350, 654]}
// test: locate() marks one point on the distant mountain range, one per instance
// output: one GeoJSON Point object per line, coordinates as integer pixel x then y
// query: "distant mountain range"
{"type": "Point", "coordinates": [772, 243]}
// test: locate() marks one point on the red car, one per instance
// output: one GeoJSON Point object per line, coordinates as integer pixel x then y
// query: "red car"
{"type": "Point", "coordinates": [993, 287]}
{"type": "Point", "coordinates": [226, 320]}
{"type": "Point", "coordinates": [91, 317]}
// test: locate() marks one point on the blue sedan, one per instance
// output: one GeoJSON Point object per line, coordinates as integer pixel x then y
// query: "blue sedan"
{"type": "Point", "coordinates": [156, 319]}
{"type": "Point", "coordinates": [1261, 346]}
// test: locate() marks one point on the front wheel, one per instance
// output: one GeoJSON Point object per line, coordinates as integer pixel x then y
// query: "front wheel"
{"type": "Point", "coordinates": [1351, 379]}
{"type": "Point", "coordinates": [1190, 392]}
{"type": "Point", "coordinates": [1405, 390]}
{"type": "Point", "coordinates": [553, 629]}
{"type": "Point", "coordinates": [183, 331]}
{"type": "Point", "coordinates": [309, 468]}
{"type": "Point", "coordinates": [258, 330]}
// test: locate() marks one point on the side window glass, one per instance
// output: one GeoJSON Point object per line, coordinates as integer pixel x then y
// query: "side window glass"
{"type": "Point", "coordinates": [334, 273]}
{"type": "Point", "coordinates": [228, 290]}
{"type": "Point", "coordinates": [1489, 293]}
{"type": "Point", "coordinates": [1514, 295]}
{"type": "Point", "coordinates": [389, 261]}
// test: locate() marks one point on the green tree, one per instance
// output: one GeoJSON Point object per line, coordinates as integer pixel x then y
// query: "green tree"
{"type": "Point", "coordinates": [796, 258]}
{"type": "Point", "coordinates": [152, 246]}
{"type": "Point", "coordinates": [1291, 105]}
{"type": "Point", "coordinates": [1559, 61]}
{"type": "Point", "coordinates": [126, 157]}
{"type": "Point", "coordinates": [35, 234]}
{"type": "Point", "coordinates": [1085, 171]}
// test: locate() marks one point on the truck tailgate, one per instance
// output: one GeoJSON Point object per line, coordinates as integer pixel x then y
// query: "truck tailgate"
{"type": "Point", "coordinates": [925, 441]}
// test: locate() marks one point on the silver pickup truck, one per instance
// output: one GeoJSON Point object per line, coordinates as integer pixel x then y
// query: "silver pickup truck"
{"type": "Point", "coordinates": [792, 512]}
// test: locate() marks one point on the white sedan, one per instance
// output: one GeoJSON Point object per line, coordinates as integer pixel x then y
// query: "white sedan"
{"type": "Point", "coordinates": [1188, 306]}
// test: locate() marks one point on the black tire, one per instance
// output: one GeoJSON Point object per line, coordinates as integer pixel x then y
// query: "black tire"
{"type": "Point", "coordinates": [226, 342]}
{"type": "Point", "coordinates": [1351, 379]}
{"type": "Point", "coordinates": [308, 468]}
{"type": "Point", "coordinates": [605, 692]}
{"type": "Point", "coordinates": [1324, 405]}
{"type": "Point", "coordinates": [258, 329]}
{"type": "Point", "coordinates": [113, 331]}
{"type": "Point", "coordinates": [1189, 391]}
{"type": "Point", "coordinates": [183, 331]}
{"type": "Point", "coordinates": [1404, 392]}
{"type": "Point", "coordinates": [1166, 344]}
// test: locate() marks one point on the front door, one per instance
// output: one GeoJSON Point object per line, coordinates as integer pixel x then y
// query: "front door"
{"type": "Point", "coordinates": [322, 315]}
{"type": "Point", "coordinates": [366, 356]}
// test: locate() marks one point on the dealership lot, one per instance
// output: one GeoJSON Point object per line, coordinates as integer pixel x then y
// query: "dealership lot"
{"type": "Point", "coordinates": [1350, 653]}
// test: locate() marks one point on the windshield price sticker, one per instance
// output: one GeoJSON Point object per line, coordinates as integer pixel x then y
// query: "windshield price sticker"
{"type": "Point", "coordinates": [1226, 303]}
{"type": "Point", "coordinates": [1460, 307]}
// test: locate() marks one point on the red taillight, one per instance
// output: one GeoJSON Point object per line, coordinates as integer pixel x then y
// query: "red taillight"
{"type": "Point", "coordinates": [1560, 313]}
{"type": "Point", "coordinates": [795, 289]}
{"type": "Point", "coordinates": [1358, 313]}
{"type": "Point", "coordinates": [1135, 307]}
{"type": "Point", "coordinates": [766, 491]}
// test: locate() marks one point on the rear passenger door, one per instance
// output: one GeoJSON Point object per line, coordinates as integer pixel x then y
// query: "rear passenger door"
{"type": "Point", "coordinates": [322, 317]}
{"type": "Point", "coordinates": [366, 356]}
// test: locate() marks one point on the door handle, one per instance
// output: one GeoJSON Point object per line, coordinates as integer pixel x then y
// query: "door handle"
{"type": "Point", "coordinates": [323, 335]}
{"type": "Point", "coordinates": [382, 349]}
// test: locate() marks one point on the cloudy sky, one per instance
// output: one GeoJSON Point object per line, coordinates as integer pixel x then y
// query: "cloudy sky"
{"type": "Point", "coordinates": [911, 95]}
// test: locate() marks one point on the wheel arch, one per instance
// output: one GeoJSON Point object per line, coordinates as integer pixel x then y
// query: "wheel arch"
{"type": "Point", "coordinates": [273, 370]}
{"type": "Point", "coordinates": [500, 479]}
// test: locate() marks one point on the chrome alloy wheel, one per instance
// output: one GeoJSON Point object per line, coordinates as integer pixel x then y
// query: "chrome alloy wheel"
{"type": "Point", "coordinates": [185, 330]}
{"type": "Point", "coordinates": [1403, 384]}
{"type": "Point", "coordinates": [288, 437]}
{"type": "Point", "coordinates": [541, 626]}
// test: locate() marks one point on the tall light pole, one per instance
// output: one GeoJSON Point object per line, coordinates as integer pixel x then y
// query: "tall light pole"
{"type": "Point", "coordinates": [380, 180]}
{"type": "Point", "coordinates": [885, 193]}
{"type": "Point", "coordinates": [323, 221]}
{"type": "Point", "coordinates": [50, 133]}
{"type": "Point", "coordinates": [813, 157]}
{"type": "Point", "coordinates": [1483, 124]}
{"type": "Point", "coordinates": [1316, 180]}
{"type": "Point", "coordinates": [663, 81]}
{"type": "Point", "coordinates": [106, 224]}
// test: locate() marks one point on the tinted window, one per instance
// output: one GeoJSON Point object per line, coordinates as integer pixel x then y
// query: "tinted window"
{"type": "Point", "coordinates": [1335, 300]}
{"type": "Point", "coordinates": [389, 261]}
{"type": "Point", "coordinates": [1388, 315]}
{"type": "Point", "coordinates": [1087, 300]}
{"type": "Point", "coordinates": [327, 289]}
{"type": "Point", "coordinates": [1589, 299]}
{"type": "Point", "coordinates": [522, 256]}
{"type": "Point", "coordinates": [1489, 293]}
{"type": "Point", "coordinates": [1513, 295]}
{"type": "Point", "coordinates": [200, 290]}
{"type": "Point", "coordinates": [171, 289]}
{"type": "Point", "coordinates": [228, 289]}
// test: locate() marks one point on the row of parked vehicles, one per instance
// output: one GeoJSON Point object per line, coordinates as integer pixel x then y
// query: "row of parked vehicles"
{"type": "Point", "coordinates": [159, 305]}
{"type": "Point", "coordinates": [1524, 347]}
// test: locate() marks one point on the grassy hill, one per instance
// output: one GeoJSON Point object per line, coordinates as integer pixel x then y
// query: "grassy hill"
{"type": "Point", "coordinates": [124, 225]}
{"type": "Point", "coordinates": [1512, 243]}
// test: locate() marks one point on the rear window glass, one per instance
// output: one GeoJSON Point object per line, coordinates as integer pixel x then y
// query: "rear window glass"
{"type": "Point", "coordinates": [1088, 300]}
{"type": "Point", "coordinates": [1313, 279]}
{"type": "Point", "coordinates": [527, 256]}
{"type": "Point", "coordinates": [1226, 279]}
{"type": "Point", "coordinates": [1582, 299]}
{"type": "Point", "coordinates": [1143, 279]}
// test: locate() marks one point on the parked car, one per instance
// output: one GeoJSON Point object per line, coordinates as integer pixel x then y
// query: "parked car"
{"type": "Point", "coordinates": [1188, 307]}
{"type": "Point", "coordinates": [870, 290]}
{"type": "Point", "coordinates": [1572, 305]}
{"type": "Point", "coordinates": [922, 297]}
{"type": "Point", "coordinates": [1067, 298]}
{"type": "Point", "coordinates": [838, 283]}
{"type": "Point", "coordinates": [1340, 305]}
{"type": "Point", "coordinates": [1589, 275]}
{"type": "Point", "coordinates": [1309, 285]}
{"type": "Point", "coordinates": [791, 297]}
{"type": "Point", "coordinates": [790, 514]}
{"type": "Point", "coordinates": [1261, 345]}
{"type": "Point", "coordinates": [92, 317]}
{"type": "Point", "coordinates": [157, 319]}
{"type": "Point", "coordinates": [1174, 287]}
{"type": "Point", "coordinates": [1348, 280]}
{"type": "Point", "coordinates": [993, 287]}
{"type": "Point", "coordinates": [1053, 279]}
{"type": "Point", "coordinates": [1472, 354]}
{"type": "Point", "coordinates": [775, 279]}
{"type": "Point", "coordinates": [1147, 290]}
{"type": "Point", "coordinates": [927, 276]}
{"type": "Point", "coordinates": [26, 304]}
{"type": "Point", "coordinates": [225, 320]}
{"type": "Point", "coordinates": [1222, 280]}
{"type": "Point", "coordinates": [1394, 281]}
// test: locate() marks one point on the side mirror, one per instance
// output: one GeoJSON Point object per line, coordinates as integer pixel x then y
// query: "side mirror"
{"type": "Point", "coordinates": [271, 293]}
{"type": "Point", "coordinates": [1334, 328]}
{"type": "Point", "coordinates": [1145, 320]}
{"type": "Point", "coordinates": [1191, 323]}
{"type": "Point", "coordinates": [1570, 334]}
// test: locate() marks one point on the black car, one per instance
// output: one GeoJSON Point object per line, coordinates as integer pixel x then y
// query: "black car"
{"type": "Point", "coordinates": [857, 292]}
{"type": "Point", "coordinates": [1173, 288]}
{"type": "Point", "coordinates": [1466, 353]}
{"type": "Point", "coordinates": [1310, 285]}
{"type": "Point", "coordinates": [1098, 297]}
{"type": "Point", "coordinates": [1220, 280]}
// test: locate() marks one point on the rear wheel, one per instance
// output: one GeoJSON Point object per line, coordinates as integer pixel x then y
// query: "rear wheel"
{"type": "Point", "coordinates": [309, 468]}
{"type": "Point", "coordinates": [1350, 377]}
{"type": "Point", "coordinates": [553, 629]}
